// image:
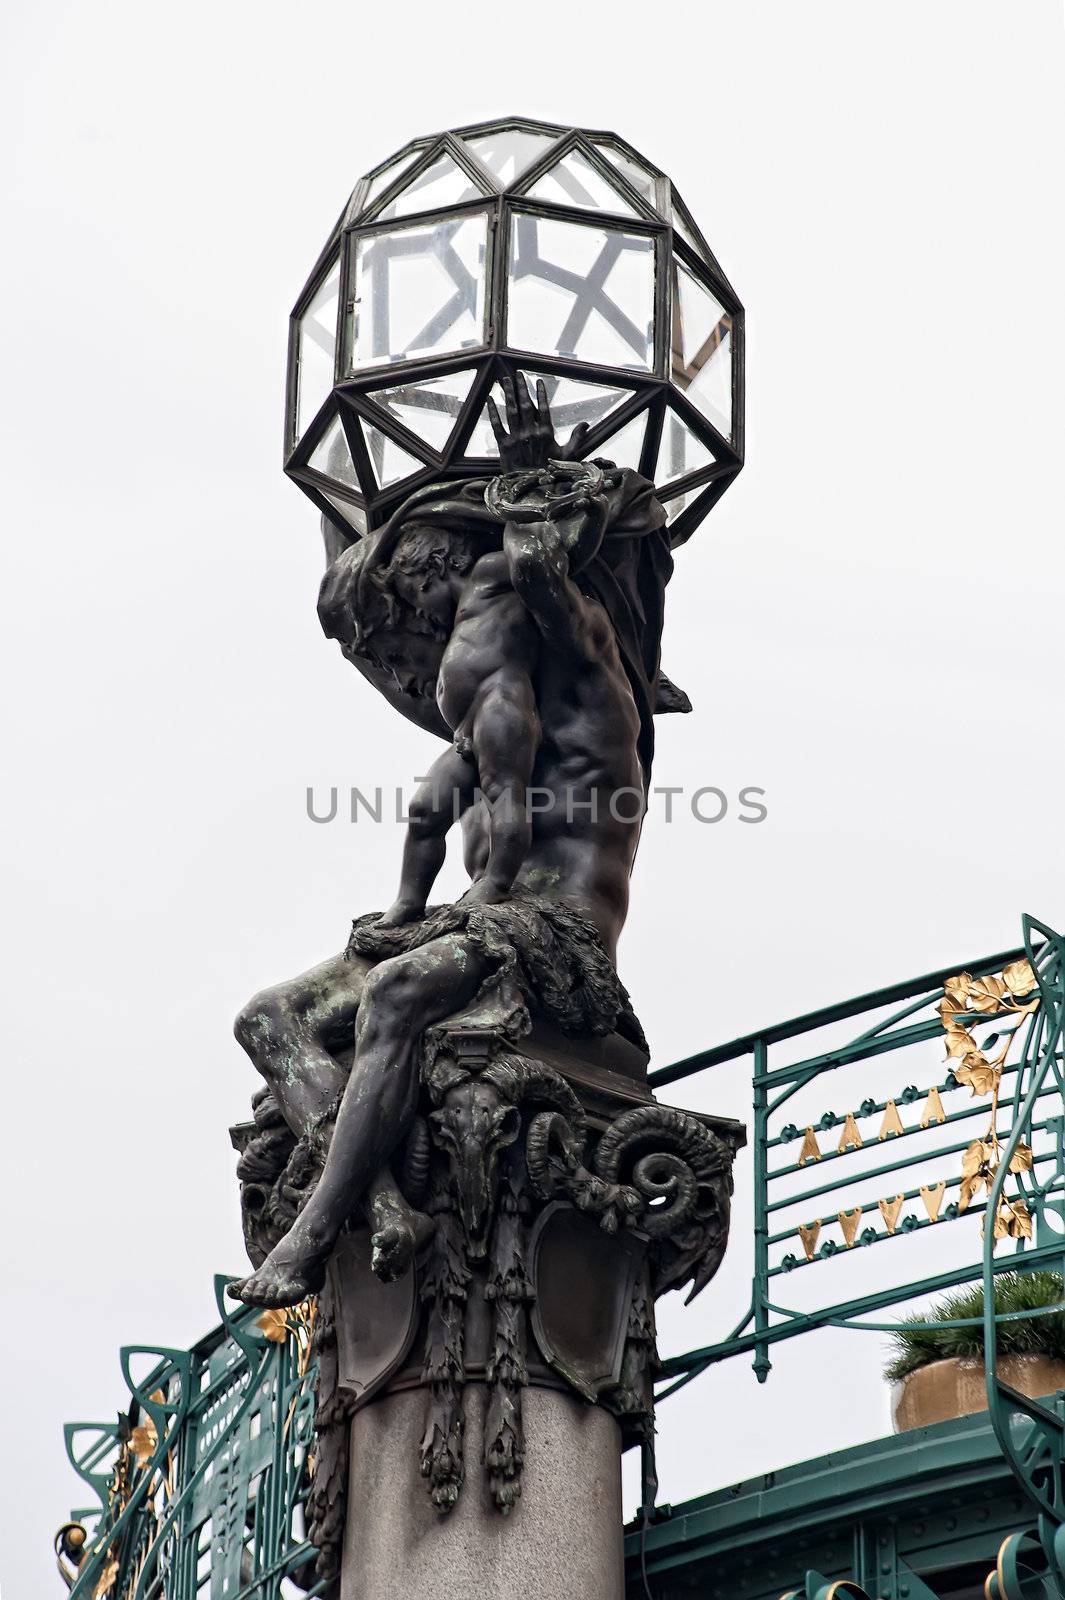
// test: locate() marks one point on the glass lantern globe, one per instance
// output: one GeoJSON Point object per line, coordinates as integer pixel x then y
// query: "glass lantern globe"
{"type": "Point", "coordinates": [515, 247]}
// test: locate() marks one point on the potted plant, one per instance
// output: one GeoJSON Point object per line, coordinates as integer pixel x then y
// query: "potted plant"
{"type": "Point", "coordinates": [938, 1373]}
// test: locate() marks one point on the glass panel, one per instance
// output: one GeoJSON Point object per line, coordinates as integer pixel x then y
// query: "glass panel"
{"type": "Point", "coordinates": [430, 409]}
{"type": "Point", "coordinates": [354, 516]}
{"type": "Point", "coordinates": [420, 291]}
{"type": "Point", "coordinates": [316, 349]}
{"type": "Point", "coordinates": [702, 348]}
{"type": "Point", "coordinates": [573, 181]}
{"type": "Point", "coordinates": [680, 451]}
{"type": "Point", "coordinates": [389, 460]}
{"type": "Point", "coordinates": [509, 152]}
{"type": "Point", "coordinates": [679, 502]}
{"type": "Point", "coordinates": [581, 291]}
{"type": "Point", "coordinates": [332, 458]}
{"type": "Point", "coordinates": [638, 176]}
{"type": "Point", "coordinates": [443, 183]}
{"type": "Point", "coordinates": [625, 447]}
{"type": "Point", "coordinates": [571, 402]}
{"type": "Point", "coordinates": [388, 176]}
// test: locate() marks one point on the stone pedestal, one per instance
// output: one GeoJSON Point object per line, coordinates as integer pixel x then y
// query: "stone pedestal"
{"type": "Point", "coordinates": [561, 1541]}
{"type": "Point", "coordinates": [472, 1409]}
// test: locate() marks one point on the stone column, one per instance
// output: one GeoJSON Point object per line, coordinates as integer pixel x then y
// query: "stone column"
{"type": "Point", "coordinates": [562, 1539]}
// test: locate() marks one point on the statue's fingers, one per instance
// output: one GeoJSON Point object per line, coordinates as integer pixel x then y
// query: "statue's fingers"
{"type": "Point", "coordinates": [513, 405]}
{"type": "Point", "coordinates": [577, 438]}
{"type": "Point", "coordinates": [526, 408]}
{"type": "Point", "coordinates": [497, 423]}
{"type": "Point", "coordinates": [543, 409]}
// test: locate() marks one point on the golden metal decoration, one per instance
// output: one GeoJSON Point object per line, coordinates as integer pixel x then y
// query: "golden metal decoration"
{"type": "Point", "coordinates": [811, 1150]}
{"type": "Point", "coordinates": [933, 1109]}
{"type": "Point", "coordinates": [1014, 992]}
{"type": "Point", "coordinates": [892, 1123]}
{"type": "Point", "coordinates": [1019, 978]}
{"type": "Point", "coordinates": [143, 1441]}
{"type": "Point", "coordinates": [850, 1222]}
{"type": "Point", "coordinates": [890, 1210]}
{"type": "Point", "coordinates": [809, 1237]}
{"type": "Point", "coordinates": [274, 1326]}
{"type": "Point", "coordinates": [932, 1195]}
{"type": "Point", "coordinates": [850, 1135]}
{"type": "Point", "coordinates": [978, 1166]}
{"type": "Point", "coordinates": [107, 1579]}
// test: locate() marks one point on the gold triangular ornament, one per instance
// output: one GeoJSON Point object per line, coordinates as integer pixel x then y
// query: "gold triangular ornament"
{"type": "Point", "coordinates": [809, 1237]}
{"type": "Point", "coordinates": [932, 1195]}
{"type": "Point", "coordinates": [811, 1150]}
{"type": "Point", "coordinates": [890, 1209]}
{"type": "Point", "coordinates": [933, 1109]}
{"type": "Point", "coordinates": [849, 1222]}
{"type": "Point", "coordinates": [892, 1123]}
{"type": "Point", "coordinates": [850, 1135]}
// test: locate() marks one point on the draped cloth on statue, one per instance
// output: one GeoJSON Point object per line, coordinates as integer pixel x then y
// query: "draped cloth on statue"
{"type": "Point", "coordinates": [628, 576]}
{"type": "Point", "coordinates": [547, 953]}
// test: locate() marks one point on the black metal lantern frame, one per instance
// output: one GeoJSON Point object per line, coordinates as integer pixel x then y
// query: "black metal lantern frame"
{"type": "Point", "coordinates": [470, 232]}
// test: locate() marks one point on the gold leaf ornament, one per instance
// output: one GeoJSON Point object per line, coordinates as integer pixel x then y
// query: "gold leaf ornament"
{"type": "Point", "coordinates": [956, 993]}
{"type": "Point", "coordinates": [273, 1325]}
{"type": "Point", "coordinates": [1023, 1158]}
{"type": "Point", "coordinates": [987, 994]}
{"type": "Point", "coordinates": [1019, 978]}
{"type": "Point", "coordinates": [960, 1042]}
{"type": "Point", "coordinates": [977, 1072]}
{"type": "Point", "coordinates": [977, 1171]}
{"type": "Point", "coordinates": [143, 1441]}
{"type": "Point", "coordinates": [1018, 1219]}
{"type": "Point", "coordinates": [107, 1580]}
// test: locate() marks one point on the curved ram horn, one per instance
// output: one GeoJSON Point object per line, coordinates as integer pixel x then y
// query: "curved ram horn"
{"type": "Point", "coordinates": [520, 1079]}
{"type": "Point", "coordinates": [551, 1148]}
{"type": "Point", "coordinates": [647, 1129]}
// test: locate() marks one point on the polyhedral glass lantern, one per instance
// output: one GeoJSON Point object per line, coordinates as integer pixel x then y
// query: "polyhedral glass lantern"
{"type": "Point", "coordinates": [515, 247]}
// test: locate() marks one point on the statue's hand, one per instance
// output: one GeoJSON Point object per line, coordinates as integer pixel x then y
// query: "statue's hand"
{"type": "Point", "coordinates": [531, 441]}
{"type": "Point", "coordinates": [581, 533]}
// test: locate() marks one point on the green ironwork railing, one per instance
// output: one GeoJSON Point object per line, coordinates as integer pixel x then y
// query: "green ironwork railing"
{"type": "Point", "coordinates": [982, 1134]}
{"type": "Point", "coordinates": [199, 1490]}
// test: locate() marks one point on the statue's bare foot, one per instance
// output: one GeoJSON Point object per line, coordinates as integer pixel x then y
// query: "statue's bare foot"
{"type": "Point", "coordinates": [399, 914]}
{"type": "Point", "coordinates": [277, 1283]}
{"type": "Point", "coordinates": [483, 893]}
{"type": "Point", "coordinates": [399, 1233]}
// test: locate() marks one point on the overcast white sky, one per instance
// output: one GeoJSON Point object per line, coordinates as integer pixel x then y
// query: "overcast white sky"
{"type": "Point", "coordinates": [869, 624]}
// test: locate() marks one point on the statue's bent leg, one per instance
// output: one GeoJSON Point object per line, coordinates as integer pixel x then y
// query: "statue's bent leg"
{"type": "Point", "coordinates": [401, 997]}
{"type": "Point", "coordinates": [290, 1030]}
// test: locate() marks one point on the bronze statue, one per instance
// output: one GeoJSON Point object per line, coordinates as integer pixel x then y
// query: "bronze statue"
{"type": "Point", "coordinates": [550, 890]}
{"type": "Point", "coordinates": [457, 1104]}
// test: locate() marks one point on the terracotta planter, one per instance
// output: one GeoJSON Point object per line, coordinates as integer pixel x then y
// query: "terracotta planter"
{"type": "Point", "coordinates": [954, 1388]}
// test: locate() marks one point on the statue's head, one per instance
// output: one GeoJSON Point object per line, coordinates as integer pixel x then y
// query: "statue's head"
{"type": "Point", "coordinates": [418, 581]}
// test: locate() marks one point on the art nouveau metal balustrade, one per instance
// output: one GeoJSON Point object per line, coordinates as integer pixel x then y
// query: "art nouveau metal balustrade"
{"type": "Point", "coordinates": [942, 1160]}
